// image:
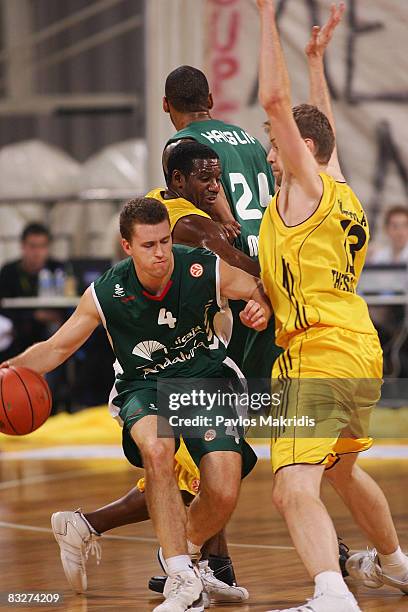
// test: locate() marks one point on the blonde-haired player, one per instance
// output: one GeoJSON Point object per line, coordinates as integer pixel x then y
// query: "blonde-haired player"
{"type": "Point", "coordinates": [312, 248]}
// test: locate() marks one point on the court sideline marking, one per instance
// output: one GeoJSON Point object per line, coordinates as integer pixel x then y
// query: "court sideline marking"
{"type": "Point", "coordinates": [378, 451]}
{"type": "Point", "coordinates": [20, 527]}
{"type": "Point", "coordinates": [29, 480]}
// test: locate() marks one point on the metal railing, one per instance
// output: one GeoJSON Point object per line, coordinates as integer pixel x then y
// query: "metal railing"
{"type": "Point", "coordinates": [50, 103]}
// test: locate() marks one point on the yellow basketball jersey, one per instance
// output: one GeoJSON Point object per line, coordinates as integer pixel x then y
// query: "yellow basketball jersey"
{"type": "Point", "coordinates": [311, 270]}
{"type": "Point", "coordinates": [177, 208]}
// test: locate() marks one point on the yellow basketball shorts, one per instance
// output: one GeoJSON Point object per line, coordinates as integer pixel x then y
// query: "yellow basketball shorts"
{"type": "Point", "coordinates": [328, 381]}
{"type": "Point", "coordinates": [187, 473]}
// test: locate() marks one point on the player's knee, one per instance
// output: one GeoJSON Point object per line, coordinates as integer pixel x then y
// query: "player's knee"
{"type": "Point", "coordinates": [221, 495]}
{"type": "Point", "coordinates": [158, 456]}
{"type": "Point", "coordinates": [287, 496]}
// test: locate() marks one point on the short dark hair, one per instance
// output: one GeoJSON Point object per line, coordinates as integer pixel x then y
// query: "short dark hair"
{"type": "Point", "coordinates": [187, 89]}
{"type": "Point", "coordinates": [183, 156]}
{"type": "Point", "coordinates": [35, 229]}
{"type": "Point", "coordinates": [395, 210]}
{"type": "Point", "coordinates": [141, 211]}
{"type": "Point", "coordinates": [314, 124]}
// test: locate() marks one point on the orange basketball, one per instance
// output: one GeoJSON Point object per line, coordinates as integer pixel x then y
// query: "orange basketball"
{"type": "Point", "coordinates": [25, 401]}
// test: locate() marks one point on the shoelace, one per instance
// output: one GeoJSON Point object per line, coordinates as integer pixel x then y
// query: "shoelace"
{"type": "Point", "coordinates": [211, 578]}
{"type": "Point", "coordinates": [368, 563]}
{"type": "Point", "coordinates": [93, 547]}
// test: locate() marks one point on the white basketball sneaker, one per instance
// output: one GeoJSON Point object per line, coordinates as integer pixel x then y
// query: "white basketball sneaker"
{"type": "Point", "coordinates": [327, 602]}
{"type": "Point", "coordinates": [365, 568]}
{"type": "Point", "coordinates": [76, 542]}
{"type": "Point", "coordinates": [217, 590]}
{"type": "Point", "coordinates": [213, 589]}
{"type": "Point", "coordinates": [182, 593]}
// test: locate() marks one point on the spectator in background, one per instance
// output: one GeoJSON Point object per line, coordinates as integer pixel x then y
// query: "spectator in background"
{"type": "Point", "coordinates": [388, 319]}
{"type": "Point", "coordinates": [396, 228]}
{"type": "Point", "coordinates": [20, 278]}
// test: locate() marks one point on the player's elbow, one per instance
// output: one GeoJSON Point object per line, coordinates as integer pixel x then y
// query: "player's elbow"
{"type": "Point", "coordinates": [274, 102]}
{"type": "Point", "coordinates": [57, 351]}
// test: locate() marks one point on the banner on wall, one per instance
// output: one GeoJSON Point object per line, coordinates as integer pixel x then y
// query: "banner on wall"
{"type": "Point", "coordinates": [367, 68]}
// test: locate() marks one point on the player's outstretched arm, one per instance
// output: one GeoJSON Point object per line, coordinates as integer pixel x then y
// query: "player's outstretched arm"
{"type": "Point", "coordinates": [48, 355]}
{"type": "Point", "coordinates": [275, 97]}
{"type": "Point", "coordinates": [238, 285]}
{"type": "Point", "coordinates": [319, 91]}
{"type": "Point", "coordinates": [202, 232]}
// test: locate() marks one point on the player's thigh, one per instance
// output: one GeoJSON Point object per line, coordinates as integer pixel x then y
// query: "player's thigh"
{"type": "Point", "coordinates": [143, 431]}
{"type": "Point", "coordinates": [328, 382]}
{"type": "Point", "coordinates": [306, 423]}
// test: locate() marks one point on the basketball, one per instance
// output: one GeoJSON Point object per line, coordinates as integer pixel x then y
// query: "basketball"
{"type": "Point", "coordinates": [25, 401]}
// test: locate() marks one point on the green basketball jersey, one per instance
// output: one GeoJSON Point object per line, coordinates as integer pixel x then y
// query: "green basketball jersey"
{"type": "Point", "coordinates": [171, 335]}
{"type": "Point", "coordinates": [247, 177]}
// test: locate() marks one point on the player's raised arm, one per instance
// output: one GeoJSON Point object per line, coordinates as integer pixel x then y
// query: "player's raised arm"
{"type": "Point", "coordinates": [319, 91]}
{"type": "Point", "coordinates": [238, 285]}
{"type": "Point", "coordinates": [48, 355]}
{"type": "Point", "coordinates": [202, 232]}
{"type": "Point", "coordinates": [275, 97]}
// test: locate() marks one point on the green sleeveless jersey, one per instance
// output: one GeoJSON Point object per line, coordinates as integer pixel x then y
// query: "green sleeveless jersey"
{"type": "Point", "coordinates": [171, 335]}
{"type": "Point", "coordinates": [246, 177]}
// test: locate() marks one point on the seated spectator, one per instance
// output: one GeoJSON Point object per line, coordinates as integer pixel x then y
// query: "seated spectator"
{"type": "Point", "coordinates": [389, 319]}
{"type": "Point", "coordinates": [396, 229]}
{"type": "Point", "coordinates": [19, 278]}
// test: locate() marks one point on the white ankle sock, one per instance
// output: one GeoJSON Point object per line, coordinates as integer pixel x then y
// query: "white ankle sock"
{"type": "Point", "coordinates": [88, 524]}
{"type": "Point", "coordinates": [331, 581]}
{"type": "Point", "coordinates": [193, 550]}
{"type": "Point", "coordinates": [395, 565]}
{"type": "Point", "coordinates": [180, 563]}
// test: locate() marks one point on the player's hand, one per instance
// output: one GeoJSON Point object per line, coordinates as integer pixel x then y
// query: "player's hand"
{"type": "Point", "coordinates": [321, 37]}
{"type": "Point", "coordinates": [254, 316]}
{"type": "Point", "coordinates": [231, 229]}
{"type": "Point", "coordinates": [5, 364]}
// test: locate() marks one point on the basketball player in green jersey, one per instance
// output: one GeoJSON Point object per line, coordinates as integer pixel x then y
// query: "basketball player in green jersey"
{"type": "Point", "coordinates": [247, 185]}
{"type": "Point", "coordinates": [246, 177]}
{"type": "Point", "coordinates": [159, 308]}
{"type": "Point", "coordinates": [193, 182]}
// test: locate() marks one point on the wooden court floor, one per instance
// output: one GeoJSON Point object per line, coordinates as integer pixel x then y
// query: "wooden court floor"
{"type": "Point", "coordinates": [264, 559]}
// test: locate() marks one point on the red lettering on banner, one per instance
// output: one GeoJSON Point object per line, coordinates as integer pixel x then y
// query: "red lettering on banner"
{"type": "Point", "coordinates": [232, 34]}
{"type": "Point", "coordinates": [225, 24]}
{"type": "Point", "coordinates": [225, 68]}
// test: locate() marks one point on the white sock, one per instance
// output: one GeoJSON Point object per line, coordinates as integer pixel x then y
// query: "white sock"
{"type": "Point", "coordinates": [180, 563]}
{"type": "Point", "coordinates": [331, 581]}
{"type": "Point", "coordinates": [395, 565]}
{"type": "Point", "coordinates": [91, 529]}
{"type": "Point", "coordinates": [193, 550]}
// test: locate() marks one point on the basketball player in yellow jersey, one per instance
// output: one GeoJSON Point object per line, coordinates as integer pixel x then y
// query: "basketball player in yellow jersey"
{"type": "Point", "coordinates": [312, 247]}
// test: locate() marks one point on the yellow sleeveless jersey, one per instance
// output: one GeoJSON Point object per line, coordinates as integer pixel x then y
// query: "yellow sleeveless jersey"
{"type": "Point", "coordinates": [177, 208]}
{"type": "Point", "coordinates": [311, 270]}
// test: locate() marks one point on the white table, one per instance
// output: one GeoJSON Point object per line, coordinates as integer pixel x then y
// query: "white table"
{"type": "Point", "coordinates": [52, 301]}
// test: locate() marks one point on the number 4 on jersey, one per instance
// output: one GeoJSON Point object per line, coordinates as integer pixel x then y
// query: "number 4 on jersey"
{"type": "Point", "coordinates": [166, 318]}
